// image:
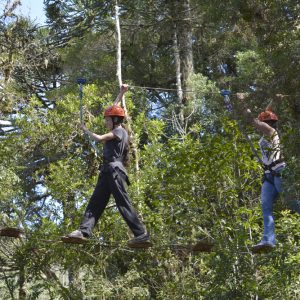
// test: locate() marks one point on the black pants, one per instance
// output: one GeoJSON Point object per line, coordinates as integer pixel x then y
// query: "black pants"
{"type": "Point", "coordinates": [111, 181]}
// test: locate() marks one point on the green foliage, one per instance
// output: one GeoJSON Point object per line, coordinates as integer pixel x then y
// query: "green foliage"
{"type": "Point", "coordinates": [252, 69]}
{"type": "Point", "coordinates": [200, 182]}
{"type": "Point", "coordinates": [9, 179]}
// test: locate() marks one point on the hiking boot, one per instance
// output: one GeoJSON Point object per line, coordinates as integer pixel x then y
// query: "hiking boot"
{"type": "Point", "coordinates": [140, 241]}
{"type": "Point", "coordinates": [263, 247]}
{"type": "Point", "coordinates": [204, 244]}
{"type": "Point", "coordinates": [75, 237]}
{"type": "Point", "coordinates": [76, 234]}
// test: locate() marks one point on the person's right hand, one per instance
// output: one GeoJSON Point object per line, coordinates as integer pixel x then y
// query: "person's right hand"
{"type": "Point", "coordinates": [124, 88]}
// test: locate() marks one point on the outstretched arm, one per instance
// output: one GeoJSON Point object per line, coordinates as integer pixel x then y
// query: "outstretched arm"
{"type": "Point", "coordinates": [123, 90]}
{"type": "Point", "coordinates": [96, 137]}
{"type": "Point", "coordinates": [261, 126]}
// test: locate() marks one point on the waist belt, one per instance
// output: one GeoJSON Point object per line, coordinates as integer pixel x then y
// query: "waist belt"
{"type": "Point", "coordinates": [267, 178]}
{"type": "Point", "coordinates": [273, 164]}
{"type": "Point", "coordinates": [113, 159]}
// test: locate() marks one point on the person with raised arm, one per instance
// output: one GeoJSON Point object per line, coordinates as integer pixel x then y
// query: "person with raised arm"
{"type": "Point", "coordinates": [112, 179]}
{"type": "Point", "coordinates": [273, 164]}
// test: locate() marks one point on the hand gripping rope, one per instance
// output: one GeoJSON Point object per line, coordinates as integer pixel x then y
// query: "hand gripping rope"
{"type": "Point", "coordinates": [81, 82]}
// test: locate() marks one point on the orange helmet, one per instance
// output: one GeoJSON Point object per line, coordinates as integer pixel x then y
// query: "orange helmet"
{"type": "Point", "coordinates": [267, 116]}
{"type": "Point", "coordinates": [114, 111]}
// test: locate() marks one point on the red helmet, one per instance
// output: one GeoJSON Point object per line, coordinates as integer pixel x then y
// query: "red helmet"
{"type": "Point", "coordinates": [267, 116]}
{"type": "Point", "coordinates": [114, 111]}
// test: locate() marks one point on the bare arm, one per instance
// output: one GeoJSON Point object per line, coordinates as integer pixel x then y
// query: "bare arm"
{"type": "Point", "coordinates": [123, 90]}
{"type": "Point", "coordinates": [261, 126]}
{"type": "Point", "coordinates": [98, 138]}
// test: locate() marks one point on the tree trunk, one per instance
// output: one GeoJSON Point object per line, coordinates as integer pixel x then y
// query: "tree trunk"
{"type": "Point", "coordinates": [178, 76]}
{"type": "Point", "coordinates": [183, 54]}
{"type": "Point", "coordinates": [22, 280]}
{"type": "Point", "coordinates": [182, 17]}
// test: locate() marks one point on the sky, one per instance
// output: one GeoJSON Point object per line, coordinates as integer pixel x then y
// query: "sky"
{"type": "Point", "coordinates": [30, 8]}
{"type": "Point", "coordinates": [34, 9]}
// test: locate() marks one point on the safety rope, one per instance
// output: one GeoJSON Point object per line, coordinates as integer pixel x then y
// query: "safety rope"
{"type": "Point", "coordinates": [186, 91]}
{"type": "Point", "coordinates": [194, 91]}
{"type": "Point", "coordinates": [190, 247]}
{"type": "Point", "coordinates": [81, 82]}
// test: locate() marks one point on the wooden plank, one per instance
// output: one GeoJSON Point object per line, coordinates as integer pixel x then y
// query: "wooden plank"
{"type": "Point", "coordinates": [258, 249]}
{"type": "Point", "coordinates": [143, 245]}
{"type": "Point", "coordinates": [203, 246]}
{"type": "Point", "coordinates": [11, 232]}
{"type": "Point", "coordinates": [74, 240]}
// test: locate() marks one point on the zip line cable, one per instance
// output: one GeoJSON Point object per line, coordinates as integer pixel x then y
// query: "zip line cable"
{"type": "Point", "coordinates": [194, 91]}
{"type": "Point", "coordinates": [186, 91]}
{"type": "Point", "coordinates": [160, 89]}
{"type": "Point", "coordinates": [279, 95]}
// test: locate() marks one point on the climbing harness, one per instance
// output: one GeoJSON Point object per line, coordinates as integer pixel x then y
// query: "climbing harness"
{"type": "Point", "coordinates": [81, 82]}
{"type": "Point", "coordinates": [273, 164]}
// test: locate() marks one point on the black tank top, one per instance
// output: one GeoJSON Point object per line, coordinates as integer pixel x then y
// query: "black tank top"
{"type": "Point", "coordinates": [115, 149]}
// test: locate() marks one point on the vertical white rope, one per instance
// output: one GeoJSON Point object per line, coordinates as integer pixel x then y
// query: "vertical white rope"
{"type": "Point", "coordinates": [119, 76]}
{"type": "Point", "coordinates": [118, 41]}
{"type": "Point", "coordinates": [119, 54]}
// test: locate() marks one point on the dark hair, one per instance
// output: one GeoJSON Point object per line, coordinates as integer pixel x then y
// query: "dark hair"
{"type": "Point", "coordinates": [126, 153]}
{"type": "Point", "coordinates": [272, 123]}
{"type": "Point", "coordinates": [117, 120]}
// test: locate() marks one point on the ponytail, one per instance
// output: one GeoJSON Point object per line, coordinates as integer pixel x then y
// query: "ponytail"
{"type": "Point", "coordinates": [126, 153]}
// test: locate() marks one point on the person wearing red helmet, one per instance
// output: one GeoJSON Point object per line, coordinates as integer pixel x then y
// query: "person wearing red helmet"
{"type": "Point", "coordinates": [273, 164]}
{"type": "Point", "coordinates": [112, 179]}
